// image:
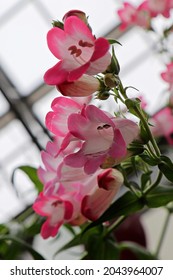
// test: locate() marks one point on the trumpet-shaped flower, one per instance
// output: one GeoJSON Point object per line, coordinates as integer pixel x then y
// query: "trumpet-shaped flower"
{"type": "Point", "coordinates": [101, 135]}
{"type": "Point", "coordinates": [84, 86]}
{"type": "Point", "coordinates": [78, 50]}
{"type": "Point", "coordinates": [69, 194]}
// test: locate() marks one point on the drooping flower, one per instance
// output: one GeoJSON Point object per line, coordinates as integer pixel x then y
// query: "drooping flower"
{"type": "Point", "coordinates": [162, 124]}
{"type": "Point", "coordinates": [78, 50]}
{"type": "Point", "coordinates": [69, 192]}
{"type": "Point", "coordinates": [84, 86]}
{"type": "Point", "coordinates": [167, 75]}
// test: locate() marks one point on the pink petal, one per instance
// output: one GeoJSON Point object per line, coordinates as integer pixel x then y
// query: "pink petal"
{"type": "Point", "coordinates": [85, 86]}
{"type": "Point", "coordinates": [76, 28]}
{"type": "Point", "coordinates": [118, 148]}
{"type": "Point", "coordinates": [77, 73]}
{"type": "Point", "coordinates": [56, 75]}
{"type": "Point", "coordinates": [56, 121]}
{"type": "Point", "coordinates": [99, 65]}
{"type": "Point", "coordinates": [50, 231]}
{"type": "Point", "coordinates": [101, 48]}
{"type": "Point", "coordinates": [56, 39]}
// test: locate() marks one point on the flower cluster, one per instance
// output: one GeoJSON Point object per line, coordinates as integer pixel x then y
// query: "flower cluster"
{"type": "Point", "coordinates": [78, 175]}
{"type": "Point", "coordinates": [141, 15]}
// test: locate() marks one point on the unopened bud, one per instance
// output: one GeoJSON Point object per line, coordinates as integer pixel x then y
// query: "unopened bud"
{"type": "Point", "coordinates": [111, 80]}
{"type": "Point", "coordinates": [76, 13]}
{"type": "Point", "coordinates": [103, 95]}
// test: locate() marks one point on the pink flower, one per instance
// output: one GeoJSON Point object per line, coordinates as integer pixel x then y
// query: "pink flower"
{"type": "Point", "coordinates": [78, 51]}
{"type": "Point", "coordinates": [167, 76]}
{"type": "Point", "coordinates": [101, 136]}
{"type": "Point", "coordinates": [95, 203]}
{"type": "Point", "coordinates": [126, 15]}
{"type": "Point", "coordinates": [131, 15]}
{"type": "Point", "coordinates": [163, 124]}
{"type": "Point", "coordinates": [157, 7]}
{"type": "Point", "coordinates": [69, 194]}
{"type": "Point", "coordinates": [84, 86]}
{"type": "Point", "coordinates": [57, 211]}
{"type": "Point", "coordinates": [62, 107]}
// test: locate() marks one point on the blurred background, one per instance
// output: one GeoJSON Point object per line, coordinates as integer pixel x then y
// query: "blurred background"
{"type": "Point", "coordinates": [25, 99]}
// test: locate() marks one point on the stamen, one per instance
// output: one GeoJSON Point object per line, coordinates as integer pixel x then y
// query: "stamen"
{"type": "Point", "coordinates": [75, 51]}
{"type": "Point", "coordinates": [85, 44]}
{"type": "Point", "coordinates": [55, 203]}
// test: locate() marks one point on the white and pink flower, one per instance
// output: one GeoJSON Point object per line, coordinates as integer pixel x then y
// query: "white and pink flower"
{"type": "Point", "coordinates": [78, 52]}
{"type": "Point", "coordinates": [101, 135]}
{"type": "Point", "coordinates": [69, 194]}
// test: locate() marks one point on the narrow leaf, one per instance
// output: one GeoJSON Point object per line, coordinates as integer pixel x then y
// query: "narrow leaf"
{"type": "Point", "coordinates": [24, 245]}
{"type": "Point", "coordinates": [31, 172]}
{"type": "Point", "coordinates": [160, 196]}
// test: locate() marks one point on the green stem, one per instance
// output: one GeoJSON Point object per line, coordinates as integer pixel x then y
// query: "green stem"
{"type": "Point", "coordinates": [122, 90]}
{"type": "Point", "coordinates": [115, 225]}
{"type": "Point", "coordinates": [155, 184]}
{"type": "Point", "coordinates": [141, 116]}
{"type": "Point", "coordinates": [165, 226]}
{"type": "Point", "coordinates": [145, 124]}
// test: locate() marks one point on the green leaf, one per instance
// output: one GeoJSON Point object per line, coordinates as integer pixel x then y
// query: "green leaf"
{"type": "Point", "coordinates": [127, 204]}
{"type": "Point", "coordinates": [102, 249]}
{"type": "Point", "coordinates": [160, 196]}
{"type": "Point", "coordinates": [113, 41]}
{"type": "Point", "coordinates": [149, 160]}
{"type": "Point", "coordinates": [21, 243]}
{"type": "Point", "coordinates": [145, 179]}
{"type": "Point", "coordinates": [166, 167]}
{"type": "Point", "coordinates": [79, 239]}
{"type": "Point", "coordinates": [31, 172]}
{"type": "Point", "coordinates": [139, 251]}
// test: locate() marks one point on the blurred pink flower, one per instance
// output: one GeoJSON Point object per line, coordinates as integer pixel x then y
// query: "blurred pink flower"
{"type": "Point", "coordinates": [157, 7]}
{"type": "Point", "coordinates": [78, 50]}
{"type": "Point", "coordinates": [163, 124]}
{"type": "Point", "coordinates": [167, 76]}
{"type": "Point", "coordinates": [131, 15]}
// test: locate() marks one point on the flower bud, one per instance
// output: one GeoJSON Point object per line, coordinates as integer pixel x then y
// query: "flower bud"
{"type": "Point", "coordinates": [76, 13]}
{"type": "Point", "coordinates": [103, 95]}
{"type": "Point", "coordinates": [111, 80]}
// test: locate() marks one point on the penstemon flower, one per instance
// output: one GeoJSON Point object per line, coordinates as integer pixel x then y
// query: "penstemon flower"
{"type": "Point", "coordinates": [101, 135]}
{"type": "Point", "coordinates": [69, 194]}
{"type": "Point", "coordinates": [78, 50]}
